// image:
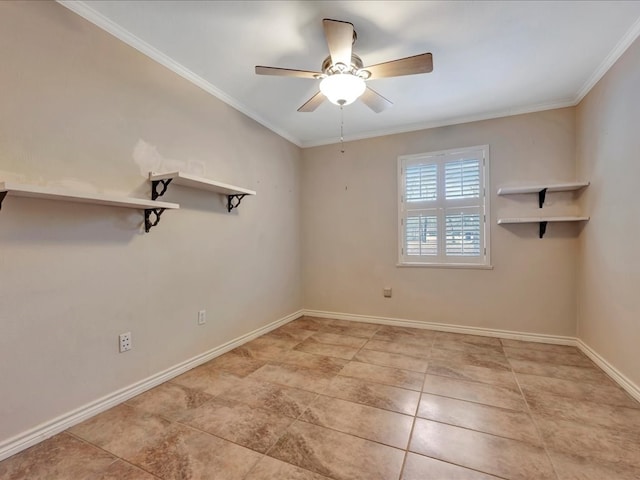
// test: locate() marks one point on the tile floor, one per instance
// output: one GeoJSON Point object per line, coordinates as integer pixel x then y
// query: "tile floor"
{"type": "Point", "coordinates": [324, 399]}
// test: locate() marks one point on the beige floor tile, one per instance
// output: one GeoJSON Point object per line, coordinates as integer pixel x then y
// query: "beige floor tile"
{"type": "Point", "coordinates": [480, 451]}
{"type": "Point", "coordinates": [419, 467]}
{"type": "Point", "coordinates": [207, 379]}
{"type": "Point", "coordinates": [559, 358]}
{"type": "Point", "coordinates": [464, 371]}
{"type": "Point", "coordinates": [290, 333]}
{"type": "Point", "coordinates": [396, 360]}
{"type": "Point", "coordinates": [467, 347]}
{"type": "Point", "coordinates": [568, 372]}
{"type": "Point", "coordinates": [265, 349]}
{"type": "Point", "coordinates": [385, 375]}
{"type": "Point", "coordinates": [313, 346]}
{"type": "Point", "coordinates": [188, 454]}
{"type": "Point", "coordinates": [404, 337]}
{"type": "Point", "coordinates": [122, 470]}
{"type": "Point", "coordinates": [419, 333]}
{"type": "Point", "coordinates": [483, 418]}
{"type": "Point", "coordinates": [267, 342]}
{"type": "Point", "coordinates": [313, 361]}
{"type": "Point", "coordinates": [496, 361]}
{"type": "Point", "coordinates": [294, 376]}
{"type": "Point", "coordinates": [545, 347]}
{"type": "Point", "coordinates": [308, 323]}
{"type": "Point", "coordinates": [354, 329]}
{"type": "Point", "coordinates": [417, 350]}
{"type": "Point", "coordinates": [475, 392]}
{"type": "Point", "coordinates": [238, 365]}
{"type": "Point", "coordinates": [337, 455]}
{"type": "Point", "coordinates": [371, 423]}
{"type": "Point", "coordinates": [589, 441]}
{"type": "Point", "coordinates": [125, 431]}
{"type": "Point", "coordinates": [271, 469]}
{"type": "Point", "coordinates": [169, 400]}
{"type": "Point", "coordinates": [374, 394]}
{"type": "Point", "coordinates": [270, 396]}
{"type": "Point", "coordinates": [579, 468]}
{"type": "Point", "coordinates": [584, 412]}
{"type": "Point", "coordinates": [61, 457]}
{"type": "Point", "coordinates": [321, 417]}
{"type": "Point", "coordinates": [606, 393]}
{"type": "Point", "coordinates": [254, 428]}
{"type": "Point", "coordinates": [342, 340]}
{"type": "Point", "coordinates": [469, 339]}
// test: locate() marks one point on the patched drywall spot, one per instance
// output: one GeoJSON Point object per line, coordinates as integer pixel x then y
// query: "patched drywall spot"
{"type": "Point", "coordinates": [148, 159]}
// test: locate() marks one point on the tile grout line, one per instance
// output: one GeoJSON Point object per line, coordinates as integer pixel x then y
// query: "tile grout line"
{"type": "Point", "coordinates": [535, 423]}
{"type": "Point", "coordinates": [415, 416]}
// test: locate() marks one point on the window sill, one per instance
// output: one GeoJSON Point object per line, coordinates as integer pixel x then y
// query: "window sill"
{"type": "Point", "coordinates": [470, 266]}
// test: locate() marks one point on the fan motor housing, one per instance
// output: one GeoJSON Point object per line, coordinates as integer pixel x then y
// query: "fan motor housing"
{"type": "Point", "coordinates": [328, 68]}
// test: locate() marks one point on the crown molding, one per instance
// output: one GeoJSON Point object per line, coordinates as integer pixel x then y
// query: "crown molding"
{"type": "Point", "coordinates": [85, 11]}
{"type": "Point", "coordinates": [621, 47]}
{"type": "Point", "coordinates": [444, 123]}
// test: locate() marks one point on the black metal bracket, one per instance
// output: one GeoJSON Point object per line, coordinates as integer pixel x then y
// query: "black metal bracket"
{"type": "Point", "coordinates": [543, 228]}
{"type": "Point", "coordinates": [2, 195]}
{"type": "Point", "coordinates": [154, 187]}
{"type": "Point", "coordinates": [147, 217]}
{"type": "Point", "coordinates": [234, 200]}
{"type": "Point", "coordinates": [541, 196]}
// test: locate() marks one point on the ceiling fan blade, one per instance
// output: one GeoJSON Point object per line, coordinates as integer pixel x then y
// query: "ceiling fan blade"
{"type": "Point", "coordinates": [313, 103]}
{"type": "Point", "coordinates": [286, 72]}
{"type": "Point", "coordinates": [375, 101]}
{"type": "Point", "coordinates": [422, 63]}
{"type": "Point", "coordinates": [339, 37]}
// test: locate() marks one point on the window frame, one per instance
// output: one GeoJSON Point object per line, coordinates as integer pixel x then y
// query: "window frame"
{"type": "Point", "coordinates": [482, 203]}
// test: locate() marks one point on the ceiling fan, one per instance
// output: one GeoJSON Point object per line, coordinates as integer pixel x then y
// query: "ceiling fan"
{"type": "Point", "coordinates": [342, 77]}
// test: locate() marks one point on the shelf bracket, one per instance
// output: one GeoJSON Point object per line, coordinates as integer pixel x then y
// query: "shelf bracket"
{"type": "Point", "coordinates": [541, 196]}
{"type": "Point", "coordinates": [2, 195]}
{"type": "Point", "coordinates": [154, 188]}
{"type": "Point", "coordinates": [148, 223]}
{"type": "Point", "coordinates": [543, 228]}
{"type": "Point", "coordinates": [234, 200]}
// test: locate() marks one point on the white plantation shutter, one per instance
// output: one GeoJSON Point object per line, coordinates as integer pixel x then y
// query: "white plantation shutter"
{"type": "Point", "coordinates": [443, 208]}
{"type": "Point", "coordinates": [421, 183]}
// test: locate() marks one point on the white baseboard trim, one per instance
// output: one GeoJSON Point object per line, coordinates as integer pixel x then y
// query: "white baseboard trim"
{"type": "Point", "coordinates": [52, 427]}
{"type": "Point", "coordinates": [630, 387]}
{"type": "Point", "coordinates": [443, 327]}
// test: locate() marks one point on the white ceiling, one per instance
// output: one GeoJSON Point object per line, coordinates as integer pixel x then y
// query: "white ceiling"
{"type": "Point", "coordinates": [490, 59]}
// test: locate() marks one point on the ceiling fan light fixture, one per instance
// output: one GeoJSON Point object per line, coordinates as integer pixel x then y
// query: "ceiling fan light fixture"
{"type": "Point", "coordinates": [342, 88]}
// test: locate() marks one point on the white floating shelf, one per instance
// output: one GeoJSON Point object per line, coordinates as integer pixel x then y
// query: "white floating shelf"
{"type": "Point", "coordinates": [201, 183]}
{"type": "Point", "coordinates": [234, 194]}
{"type": "Point", "coordinates": [542, 221]}
{"type": "Point", "coordinates": [55, 193]}
{"type": "Point", "coordinates": [551, 187]}
{"type": "Point", "coordinates": [502, 221]}
{"type": "Point", "coordinates": [112, 200]}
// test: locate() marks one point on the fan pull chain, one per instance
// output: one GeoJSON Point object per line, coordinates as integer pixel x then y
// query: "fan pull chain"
{"type": "Point", "coordinates": [341, 130]}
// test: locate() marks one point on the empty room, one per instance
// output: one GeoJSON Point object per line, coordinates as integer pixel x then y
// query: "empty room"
{"type": "Point", "coordinates": [316, 240]}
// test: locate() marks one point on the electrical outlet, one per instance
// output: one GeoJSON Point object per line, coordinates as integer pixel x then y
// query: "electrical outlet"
{"type": "Point", "coordinates": [202, 317]}
{"type": "Point", "coordinates": [387, 292]}
{"type": "Point", "coordinates": [125, 342]}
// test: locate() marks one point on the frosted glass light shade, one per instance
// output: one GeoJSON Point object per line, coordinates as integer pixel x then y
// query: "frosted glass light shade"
{"type": "Point", "coordinates": [342, 88]}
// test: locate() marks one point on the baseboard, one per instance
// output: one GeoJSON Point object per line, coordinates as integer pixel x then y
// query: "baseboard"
{"type": "Point", "coordinates": [443, 327]}
{"type": "Point", "coordinates": [630, 387]}
{"type": "Point", "coordinates": [48, 429]}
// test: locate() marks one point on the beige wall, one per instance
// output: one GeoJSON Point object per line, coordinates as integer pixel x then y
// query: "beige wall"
{"type": "Point", "coordinates": [81, 109]}
{"type": "Point", "coordinates": [350, 230]}
{"type": "Point", "coordinates": [608, 152]}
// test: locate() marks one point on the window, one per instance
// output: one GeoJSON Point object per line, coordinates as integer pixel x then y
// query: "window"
{"type": "Point", "coordinates": [443, 207]}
